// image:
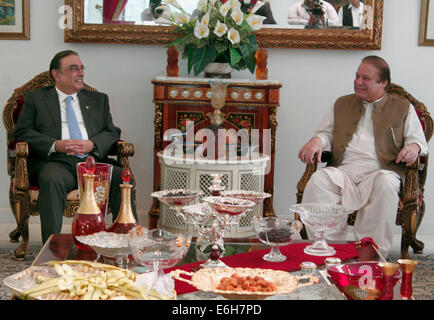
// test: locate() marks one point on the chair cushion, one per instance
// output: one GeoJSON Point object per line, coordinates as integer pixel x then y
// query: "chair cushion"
{"type": "Point", "coordinates": [34, 194]}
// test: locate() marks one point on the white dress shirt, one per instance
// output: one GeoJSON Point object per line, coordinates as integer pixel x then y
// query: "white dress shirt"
{"type": "Point", "coordinates": [76, 107]}
{"type": "Point", "coordinates": [357, 14]}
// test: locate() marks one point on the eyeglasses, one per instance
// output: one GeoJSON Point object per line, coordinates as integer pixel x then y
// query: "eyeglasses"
{"type": "Point", "coordinates": [75, 68]}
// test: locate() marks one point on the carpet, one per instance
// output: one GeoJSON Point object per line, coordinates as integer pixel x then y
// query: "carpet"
{"type": "Point", "coordinates": [423, 279]}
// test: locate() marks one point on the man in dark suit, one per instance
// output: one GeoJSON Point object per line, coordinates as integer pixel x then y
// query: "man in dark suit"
{"type": "Point", "coordinates": [54, 151]}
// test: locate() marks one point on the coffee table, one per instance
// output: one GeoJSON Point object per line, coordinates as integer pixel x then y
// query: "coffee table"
{"type": "Point", "coordinates": [61, 247]}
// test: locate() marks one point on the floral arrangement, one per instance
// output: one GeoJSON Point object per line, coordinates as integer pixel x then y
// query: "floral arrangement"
{"type": "Point", "coordinates": [221, 32]}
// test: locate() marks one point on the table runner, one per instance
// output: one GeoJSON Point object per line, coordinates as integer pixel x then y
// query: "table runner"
{"type": "Point", "coordinates": [293, 252]}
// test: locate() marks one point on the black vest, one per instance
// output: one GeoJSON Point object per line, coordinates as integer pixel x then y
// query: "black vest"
{"type": "Point", "coordinates": [347, 16]}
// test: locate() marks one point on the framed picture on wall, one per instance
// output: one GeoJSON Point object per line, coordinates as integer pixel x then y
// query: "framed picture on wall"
{"type": "Point", "coordinates": [426, 32]}
{"type": "Point", "coordinates": [15, 19]}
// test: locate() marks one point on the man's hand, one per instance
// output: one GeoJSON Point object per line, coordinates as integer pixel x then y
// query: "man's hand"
{"type": "Point", "coordinates": [408, 154]}
{"type": "Point", "coordinates": [309, 150]}
{"type": "Point", "coordinates": [74, 147]}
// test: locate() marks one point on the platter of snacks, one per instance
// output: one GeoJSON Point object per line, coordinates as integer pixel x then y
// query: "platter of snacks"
{"type": "Point", "coordinates": [79, 280]}
{"type": "Point", "coordinates": [244, 283]}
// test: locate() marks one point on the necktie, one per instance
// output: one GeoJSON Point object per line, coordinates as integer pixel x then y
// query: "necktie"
{"type": "Point", "coordinates": [74, 129]}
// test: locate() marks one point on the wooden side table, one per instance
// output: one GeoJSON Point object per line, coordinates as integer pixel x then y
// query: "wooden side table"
{"type": "Point", "coordinates": [250, 104]}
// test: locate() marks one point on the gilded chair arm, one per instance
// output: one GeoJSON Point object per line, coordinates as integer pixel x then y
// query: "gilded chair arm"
{"type": "Point", "coordinates": [124, 151]}
{"type": "Point", "coordinates": [410, 190]}
{"type": "Point", "coordinates": [21, 174]}
{"type": "Point", "coordinates": [326, 157]}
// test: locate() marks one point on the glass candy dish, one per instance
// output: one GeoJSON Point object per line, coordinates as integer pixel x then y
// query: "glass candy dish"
{"type": "Point", "coordinates": [255, 196]}
{"type": "Point", "coordinates": [176, 197]}
{"type": "Point", "coordinates": [108, 244]}
{"type": "Point", "coordinates": [228, 205]}
{"type": "Point", "coordinates": [275, 232]}
{"type": "Point", "coordinates": [157, 249]}
{"type": "Point", "coordinates": [360, 280]}
{"type": "Point", "coordinates": [320, 217]}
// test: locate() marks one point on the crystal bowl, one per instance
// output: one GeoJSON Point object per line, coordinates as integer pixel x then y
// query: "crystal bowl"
{"type": "Point", "coordinates": [228, 205]}
{"type": "Point", "coordinates": [254, 196]}
{"type": "Point", "coordinates": [360, 280]}
{"type": "Point", "coordinates": [176, 197]}
{"type": "Point", "coordinates": [108, 244]}
{"type": "Point", "coordinates": [157, 249]}
{"type": "Point", "coordinates": [319, 217]}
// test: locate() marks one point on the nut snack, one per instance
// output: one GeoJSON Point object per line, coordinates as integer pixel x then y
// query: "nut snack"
{"type": "Point", "coordinates": [245, 283]}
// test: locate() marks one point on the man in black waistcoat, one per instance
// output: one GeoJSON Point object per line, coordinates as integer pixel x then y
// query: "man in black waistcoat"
{"type": "Point", "coordinates": [351, 15]}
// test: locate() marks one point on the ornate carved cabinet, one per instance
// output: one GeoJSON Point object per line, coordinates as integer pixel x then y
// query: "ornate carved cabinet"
{"type": "Point", "coordinates": [250, 104]}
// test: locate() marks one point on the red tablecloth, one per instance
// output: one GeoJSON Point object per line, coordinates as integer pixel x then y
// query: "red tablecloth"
{"type": "Point", "coordinates": [293, 252]}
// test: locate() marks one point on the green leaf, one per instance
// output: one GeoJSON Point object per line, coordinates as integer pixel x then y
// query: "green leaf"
{"type": "Point", "coordinates": [235, 56]}
{"type": "Point", "coordinates": [190, 58]}
{"type": "Point", "coordinates": [202, 57]}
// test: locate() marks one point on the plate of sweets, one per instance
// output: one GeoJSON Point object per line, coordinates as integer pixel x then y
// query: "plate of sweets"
{"type": "Point", "coordinates": [244, 283]}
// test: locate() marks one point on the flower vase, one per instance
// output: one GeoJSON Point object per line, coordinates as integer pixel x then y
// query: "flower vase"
{"type": "Point", "coordinates": [219, 70]}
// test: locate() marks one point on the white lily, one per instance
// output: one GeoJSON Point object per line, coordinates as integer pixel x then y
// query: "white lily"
{"type": "Point", "coordinates": [255, 21]}
{"type": "Point", "coordinates": [257, 6]}
{"type": "Point", "coordinates": [201, 6]}
{"type": "Point", "coordinates": [220, 29]}
{"type": "Point", "coordinates": [200, 30]}
{"type": "Point", "coordinates": [224, 9]}
{"type": "Point", "coordinates": [238, 16]}
{"type": "Point", "coordinates": [205, 19]}
{"type": "Point", "coordinates": [233, 36]}
{"type": "Point", "coordinates": [235, 4]}
{"type": "Point", "coordinates": [181, 17]}
{"type": "Point", "coordinates": [175, 4]}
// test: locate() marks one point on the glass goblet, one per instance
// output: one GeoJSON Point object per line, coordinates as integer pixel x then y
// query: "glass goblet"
{"type": "Point", "coordinates": [276, 232]}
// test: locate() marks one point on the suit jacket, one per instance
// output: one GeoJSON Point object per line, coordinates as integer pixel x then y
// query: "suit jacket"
{"type": "Point", "coordinates": [40, 124]}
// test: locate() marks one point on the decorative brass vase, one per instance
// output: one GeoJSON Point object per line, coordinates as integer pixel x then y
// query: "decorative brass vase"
{"type": "Point", "coordinates": [125, 220]}
{"type": "Point", "coordinates": [88, 218]}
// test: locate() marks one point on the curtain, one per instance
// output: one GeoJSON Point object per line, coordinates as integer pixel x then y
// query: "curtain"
{"type": "Point", "coordinates": [112, 9]}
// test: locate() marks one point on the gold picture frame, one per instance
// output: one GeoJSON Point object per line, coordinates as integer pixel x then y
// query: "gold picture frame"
{"type": "Point", "coordinates": [367, 39]}
{"type": "Point", "coordinates": [20, 30]}
{"type": "Point", "coordinates": [426, 32]}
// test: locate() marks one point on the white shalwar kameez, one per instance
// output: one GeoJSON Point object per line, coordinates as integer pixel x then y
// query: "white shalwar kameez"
{"type": "Point", "coordinates": [360, 183]}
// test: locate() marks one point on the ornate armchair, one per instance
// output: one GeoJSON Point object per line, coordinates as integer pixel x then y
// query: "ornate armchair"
{"type": "Point", "coordinates": [411, 204]}
{"type": "Point", "coordinates": [22, 195]}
